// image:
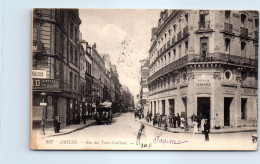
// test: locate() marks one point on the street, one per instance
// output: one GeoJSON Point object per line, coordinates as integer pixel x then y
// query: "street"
{"type": "Point", "coordinates": [122, 134]}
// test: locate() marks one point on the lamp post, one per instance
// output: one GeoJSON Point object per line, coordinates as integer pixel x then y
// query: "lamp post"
{"type": "Point", "coordinates": [43, 104]}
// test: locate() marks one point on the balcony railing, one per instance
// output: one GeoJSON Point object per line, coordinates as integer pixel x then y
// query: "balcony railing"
{"type": "Point", "coordinates": [204, 25]}
{"type": "Point", "coordinates": [179, 36]}
{"type": "Point", "coordinates": [185, 31]}
{"type": "Point", "coordinates": [228, 28]}
{"type": "Point", "coordinates": [243, 32]}
{"type": "Point", "coordinates": [197, 58]}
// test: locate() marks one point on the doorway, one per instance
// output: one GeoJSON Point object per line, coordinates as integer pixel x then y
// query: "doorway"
{"type": "Point", "coordinates": [203, 107]}
{"type": "Point", "coordinates": [227, 103]}
{"type": "Point", "coordinates": [171, 108]}
{"type": "Point", "coordinates": [163, 107]}
{"type": "Point", "coordinates": [154, 107]}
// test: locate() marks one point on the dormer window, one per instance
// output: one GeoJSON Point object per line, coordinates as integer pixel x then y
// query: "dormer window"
{"type": "Point", "coordinates": [227, 14]}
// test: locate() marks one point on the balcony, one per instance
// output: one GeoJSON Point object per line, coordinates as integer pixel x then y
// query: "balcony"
{"type": "Point", "coordinates": [210, 57]}
{"type": "Point", "coordinates": [243, 32]}
{"type": "Point", "coordinates": [228, 28]}
{"type": "Point", "coordinates": [185, 31]}
{"type": "Point", "coordinates": [37, 46]}
{"type": "Point", "coordinates": [179, 36]}
{"type": "Point", "coordinates": [204, 27]}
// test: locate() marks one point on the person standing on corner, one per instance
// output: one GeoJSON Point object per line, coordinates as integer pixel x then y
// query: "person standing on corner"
{"type": "Point", "coordinates": [206, 129]}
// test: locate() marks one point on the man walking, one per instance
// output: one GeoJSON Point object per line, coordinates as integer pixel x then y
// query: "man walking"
{"type": "Point", "coordinates": [206, 129]}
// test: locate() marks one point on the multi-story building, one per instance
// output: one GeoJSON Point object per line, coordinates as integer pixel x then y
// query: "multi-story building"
{"type": "Point", "coordinates": [205, 62]}
{"type": "Point", "coordinates": [144, 93]}
{"type": "Point", "coordinates": [87, 100]}
{"type": "Point", "coordinates": [55, 66]}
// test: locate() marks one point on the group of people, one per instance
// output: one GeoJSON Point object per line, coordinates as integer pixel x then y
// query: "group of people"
{"type": "Point", "coordinates": [173, 120]}
{"type": "Point", "coordinates": [197, 121]}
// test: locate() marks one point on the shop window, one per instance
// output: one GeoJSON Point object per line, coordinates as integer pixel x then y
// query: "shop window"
{"type": "Point", "coordinates": [243, 108]}
{"type": "Point", "coordinates": [227, 45]}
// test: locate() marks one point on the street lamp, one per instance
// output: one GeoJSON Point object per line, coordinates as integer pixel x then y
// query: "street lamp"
{"type": "Point", "coordinates": [43, 104]}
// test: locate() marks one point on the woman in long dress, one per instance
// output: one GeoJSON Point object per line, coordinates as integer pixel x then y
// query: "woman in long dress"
{"type": "Point", "coordinates": [202, 125]}
{"type": "Point", "coordinates": [195, 127]}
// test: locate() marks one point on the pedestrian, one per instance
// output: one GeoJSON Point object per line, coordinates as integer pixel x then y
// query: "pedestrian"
{"type": "Point", "coordinates": [165, 122]}
{"type": "Point", "coordinates": [182, 122]}
{"type": "Point", "coordinates": [206, 129]}
{"type": "Point", "coordinates": [56, 125]}
{"type": "Point", "coordinates": [141, 133]}
{"type": "Point", "coordinates": [178, 120]}
{"type": "Point", "coordinates": [199, 122]}
{"type": "Point", "coordinates": [174, 121]}
{"type": "Point", "coordinates": [202, 123]}
{"type": "Point", "coordinates": [195, 127]}
{"type": "Point", "coordinates": [159, 120]}
{"type": "Point", "coordinates": [154, 119]}
{"type": "Point", "coordinates": [217, 126]}
{"type": "Point", "coordinates": [150, 116]}
{"type": "Point", "coordinates": [43, 126]}
{"type": "Point", "coordinates": [170, 121]}
{"type": "Point", "coordinates": [193, 117]}
{"type": "Point", "coordinates": [84, 118]}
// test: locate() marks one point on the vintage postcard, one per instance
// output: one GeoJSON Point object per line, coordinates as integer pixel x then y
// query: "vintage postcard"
{"type": "Point", "coordinates": [144, 79]}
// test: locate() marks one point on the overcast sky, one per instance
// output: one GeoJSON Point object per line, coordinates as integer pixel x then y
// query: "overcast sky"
{"type": "Point", "coordinates": [125, 35]}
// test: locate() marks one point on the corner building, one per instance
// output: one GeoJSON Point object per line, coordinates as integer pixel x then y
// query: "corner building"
{"type": "Point", "coordinates": [205, 62]}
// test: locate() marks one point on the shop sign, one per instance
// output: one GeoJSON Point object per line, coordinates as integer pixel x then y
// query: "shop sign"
{"type": "Point", "coordinates": [203, 85]}
{"type": "Point", "coordinates": [46, 84]}
{"type": "Point", "coordinates": [43, 104]}
{"type": "Point", "coordinates": [229, 90]}
{"type": "Point", "coordinates": [39, 74]}
{"type": "Point", "coordinates": [249, 91]}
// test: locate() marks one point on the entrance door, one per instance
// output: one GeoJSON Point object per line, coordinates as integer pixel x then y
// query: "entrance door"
{"type": "Point", "coordinates": [171, 108]}
{"type": "Point", "coordinates": [163, 107]}
{"type": "Point", "coordinates": [227, 103]}
{"type": "Point", "coordinates": [154, 107]}
{"type": "Point", "coordinates": [203, 107]}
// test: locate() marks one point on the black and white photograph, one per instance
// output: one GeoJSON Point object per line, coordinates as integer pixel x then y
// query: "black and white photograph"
{"type": "Point", "coordinates": [144, 79]}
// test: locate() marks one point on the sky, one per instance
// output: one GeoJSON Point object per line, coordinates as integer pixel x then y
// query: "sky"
{"type": "Point", "coordinates": [123, 34]}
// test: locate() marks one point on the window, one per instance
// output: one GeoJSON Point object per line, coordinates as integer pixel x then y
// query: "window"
{"type": "Point", "coordinates": [76, 58]}
{"type": "Point", "coordinates": [256, 23]}
{"type": "Point", "coordinates": [243, 49]}
{"type": "Point", "coordinates": [204, 47]}
{"type": "Point", "coordinates": [228, 75]}
{"type": "Point", "coordinates": [243, 18]}
{"type": "Point", "coordinates": [256, 52]}
{"type": "Point", "coordinates": [71, 54]}
{"type": "Point", "coordinates": [62, 44]}
{"type": "Point", "coordinates": [186, 47]}
{"type": "Point", "coordinates": [75, 82]}
{"type": "Point", "coordinates": [174, 54]}
{"type": "Point", "coordinates": [174, 29]}
{"type": "Point", "coordinates": [71, 30]}
{"type": "Point", "coordinates": [243, 108]}
{"type": "Point", "coordinates": [76, 34]}
{"type": "Point", "coordinates": [169, 54]}
{"type": "Point", "coordinates": [186, 18]}
{"type": "Point", "coordinates": [71, 80]}
{"type": "Point", "coordinates": [179, 51]}
{"type": "Point", "coordinates": [227, 14]}
{"type": "Point", "coordinates": [165, 62]}
{"type": "Point", "coordinates": [227, 45]}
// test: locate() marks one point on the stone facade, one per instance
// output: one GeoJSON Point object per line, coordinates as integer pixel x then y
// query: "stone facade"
{"type": "Point", "coordinates": [205, 62]}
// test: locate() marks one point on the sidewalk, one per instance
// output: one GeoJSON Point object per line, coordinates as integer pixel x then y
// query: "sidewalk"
{"type": "Point", "coordinates": [49, 132]}
{"type": "Point", "coordinates": [212, 131]}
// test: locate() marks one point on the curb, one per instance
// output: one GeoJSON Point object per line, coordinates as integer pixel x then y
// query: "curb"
{"type": "Point", "coordinates": [80, 128]}
{"type": "Point", "coordinates": [214, 132]}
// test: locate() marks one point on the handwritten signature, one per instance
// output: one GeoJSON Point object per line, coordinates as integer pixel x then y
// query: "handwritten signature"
{"type": "Point", "coordinates": [158, 139]}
